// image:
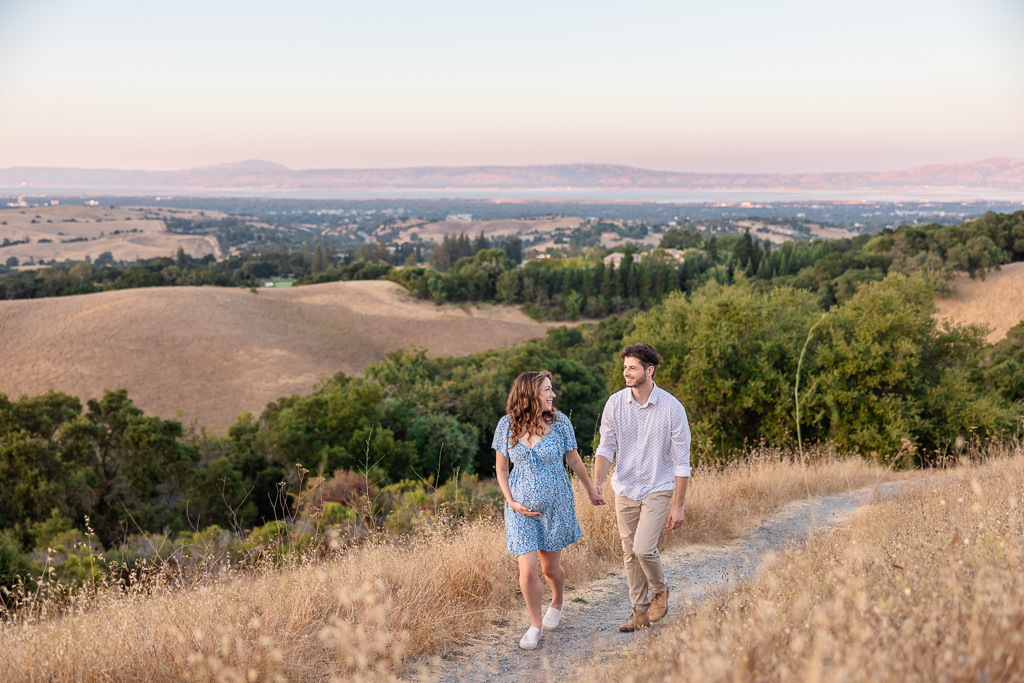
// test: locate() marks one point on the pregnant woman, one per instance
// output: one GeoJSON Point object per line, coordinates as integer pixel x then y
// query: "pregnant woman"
{"type": "Point", "coordinates": [540, 511]}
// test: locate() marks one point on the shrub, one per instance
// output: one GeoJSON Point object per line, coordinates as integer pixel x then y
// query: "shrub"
{"type": "Point", "coordinates": [335, 515]}
{"type": "Point", "coordinates": [346, 488]}
{"type": "Point", "coordinates": [15, 568]}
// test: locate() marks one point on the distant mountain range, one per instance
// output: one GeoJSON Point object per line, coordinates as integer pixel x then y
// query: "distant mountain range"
{"type": "Point", "coordinates": [999, 173]}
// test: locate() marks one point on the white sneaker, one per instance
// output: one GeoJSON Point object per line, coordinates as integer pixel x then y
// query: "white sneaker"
{"type": "Point", "coordinates": [551, 619]}
{"type": "Point", "coordinates": [530, 639]}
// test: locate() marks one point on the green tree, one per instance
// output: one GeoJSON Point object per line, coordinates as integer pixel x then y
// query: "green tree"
{"type": "Point", "coordinates": [730, 357]}
{"type": "Point", "coordinates": [681, 238]}
{"type": "Point", "coordinates": [888, 376]}
{"type": "Point", "coordinates": [1004, 369]}
{"type": "Point", "coordinates": [508, 287]}
{"type": "Point", "coordinates": [15, 568]}
{"type": "Point", "coordinates": [36, 471]}
{"type": "Point", "coordinates": [443, 445]}
{"type": "Point", "coordinates": [321, 259]}
{"type": "Point", "coordinates": [375, 251]}
{"type": "Point", "coordinates": [138, 466]}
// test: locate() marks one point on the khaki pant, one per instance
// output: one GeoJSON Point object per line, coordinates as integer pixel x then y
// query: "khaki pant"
{"type": "Point", "coordinates": [640, 524]}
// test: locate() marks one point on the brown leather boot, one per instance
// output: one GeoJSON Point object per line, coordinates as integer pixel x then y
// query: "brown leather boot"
{"type": "Point", "coordinates": [659, 606]}
{"type": "Point", "coordinates": [636, 622]}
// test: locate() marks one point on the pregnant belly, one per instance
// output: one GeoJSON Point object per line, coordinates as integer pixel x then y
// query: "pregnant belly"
{"type": "Point", "coordinates": [540, 494]}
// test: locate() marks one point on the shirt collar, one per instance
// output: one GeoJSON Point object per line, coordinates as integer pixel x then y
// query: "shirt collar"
{"type": "Point", "coordinates": [651, 400]}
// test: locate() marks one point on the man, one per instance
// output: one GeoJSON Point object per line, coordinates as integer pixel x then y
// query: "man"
{"type": "Point", "coordinates": [646, 428]}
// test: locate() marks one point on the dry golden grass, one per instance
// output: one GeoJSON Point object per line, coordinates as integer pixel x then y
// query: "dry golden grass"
{"type": "Point", "coordinates": [97, 224]}
{"type": "Point", "coordinates": [436, 231]}
{"type": "Point", "coordinates": [724, 503]}
{"type": "Point", "coordinates": [997, 301]}
{"type": "Point", "coordinates": [365, 612]}
{"type": "Point", "coordinates": [828, 232]}
{"type": "Point", "coordinates": [925, 587]}
{"type": "Point", "coordinates": [208, 353]}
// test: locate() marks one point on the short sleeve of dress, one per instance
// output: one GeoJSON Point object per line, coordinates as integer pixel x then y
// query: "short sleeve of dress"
{"type": "Point", "coordinates": [500, 440]}
{"type": "Point", "coordinates": [568, 435]}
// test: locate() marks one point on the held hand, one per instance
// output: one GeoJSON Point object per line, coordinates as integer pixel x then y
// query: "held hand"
{"type": "Point", "coordinates": [675, 518]}
{"type": "Point", "coordinates": [523, 510]}
{"type": "Point", "coordinates": [596, 498]}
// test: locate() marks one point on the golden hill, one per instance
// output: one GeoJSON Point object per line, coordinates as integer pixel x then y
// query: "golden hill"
{"type": "Point", "coordinates": [74, 233]}
{"type": "Point", "coordinates": [435, 231]}
{"type": "Point", "coordinates": [207, 354]}
{"type": "Point", "coordinates": [997, 301]}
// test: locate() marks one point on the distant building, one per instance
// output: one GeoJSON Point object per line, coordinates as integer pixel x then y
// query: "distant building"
{"type": "Point", "coordinates": [615, 258]}
{"type": "Point", "coordinates": [459, 217]}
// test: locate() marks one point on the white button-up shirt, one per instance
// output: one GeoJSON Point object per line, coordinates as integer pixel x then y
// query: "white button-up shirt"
{"type": "Point", "coordinates": [651, 441]}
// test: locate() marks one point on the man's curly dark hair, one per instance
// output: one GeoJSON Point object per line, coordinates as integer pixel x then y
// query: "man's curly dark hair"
{"type": "Point", "coordinates": [645, 353]}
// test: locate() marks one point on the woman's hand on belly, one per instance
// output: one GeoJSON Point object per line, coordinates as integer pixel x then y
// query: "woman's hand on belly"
{"type": "Point", "coordinates": [523, 510]}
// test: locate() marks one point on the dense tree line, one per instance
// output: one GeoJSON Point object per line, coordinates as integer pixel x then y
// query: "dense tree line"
{"type": "Point", "coordinates": [839, 269]}
{"type": "Point", "coordinates": [831, 269]}
{"type": "Point", "coordinates": [879, 370]}
{"type": "Point", "coordinates": [464, 269]}
{"type": "Point", "coordinates": [242, 270]}
{"type": "Point", "coordinates": [60, 461]}
{"type": "Point", "coordinates": [558, 288]}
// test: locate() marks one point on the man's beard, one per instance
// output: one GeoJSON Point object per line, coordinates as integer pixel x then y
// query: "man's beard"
{"type": "Point", "coordinates": [640, 381]}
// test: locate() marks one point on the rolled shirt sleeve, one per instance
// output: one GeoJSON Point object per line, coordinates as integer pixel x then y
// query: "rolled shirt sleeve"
{"type": "Point", "coordinates": [680, 443]}
{"type": "Point", "coordinates": [609, 444]}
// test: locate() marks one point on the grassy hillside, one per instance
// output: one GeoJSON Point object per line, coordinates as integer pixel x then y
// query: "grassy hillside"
{"type": "Point", "coordinates": [996, 301]}
{"type": "Point", "coordinates": [77, 232]}
{"type": "Point", "coordinates": [208, 354]}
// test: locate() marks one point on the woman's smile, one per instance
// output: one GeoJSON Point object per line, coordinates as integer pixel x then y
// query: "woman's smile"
{"type": "Point", "coordinates": [547, 395]}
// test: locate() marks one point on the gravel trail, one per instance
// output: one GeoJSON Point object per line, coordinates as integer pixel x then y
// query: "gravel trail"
{"type": "Point", "coordinates": [592, 612]}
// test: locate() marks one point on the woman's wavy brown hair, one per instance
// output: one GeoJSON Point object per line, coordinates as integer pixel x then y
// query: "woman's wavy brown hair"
{"type": "Point", "coordinates": [525, 410]}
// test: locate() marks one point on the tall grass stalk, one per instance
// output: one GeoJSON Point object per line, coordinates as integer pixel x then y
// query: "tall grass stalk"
{"type": "Point", "coordinates": [796, 400]}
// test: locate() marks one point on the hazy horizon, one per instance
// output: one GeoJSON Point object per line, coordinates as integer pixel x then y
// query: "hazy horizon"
{"type": "Point", "coordinates": [242, 162]}
{"type": "Point", "coordinates": [738, 87]}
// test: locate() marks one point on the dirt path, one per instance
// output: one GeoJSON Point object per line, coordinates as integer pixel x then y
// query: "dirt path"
{"type": "Point", "coordinates": [592, 613]}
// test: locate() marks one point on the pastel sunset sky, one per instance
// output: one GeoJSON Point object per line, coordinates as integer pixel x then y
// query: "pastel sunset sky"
{"type": "Point", "coordinates": [735, 85]}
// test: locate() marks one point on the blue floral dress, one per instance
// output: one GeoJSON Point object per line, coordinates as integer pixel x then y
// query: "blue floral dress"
{"type": "Point", "coordinates": [538, 481]}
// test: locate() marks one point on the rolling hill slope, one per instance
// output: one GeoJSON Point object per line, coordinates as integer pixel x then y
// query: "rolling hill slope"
{"type": "Point", "coordinates": [996, 301]}
{"type": "Point", "coordinates": [207, 354]}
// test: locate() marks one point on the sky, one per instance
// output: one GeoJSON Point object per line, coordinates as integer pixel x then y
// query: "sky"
{"type": "Point", "coordinates": [733, 86]}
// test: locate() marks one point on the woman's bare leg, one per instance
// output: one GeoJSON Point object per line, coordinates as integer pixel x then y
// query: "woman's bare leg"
{"type": "Point", "coordinates": [551, 565]}
{"type": "Point", "coordinates": [529, 583]}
